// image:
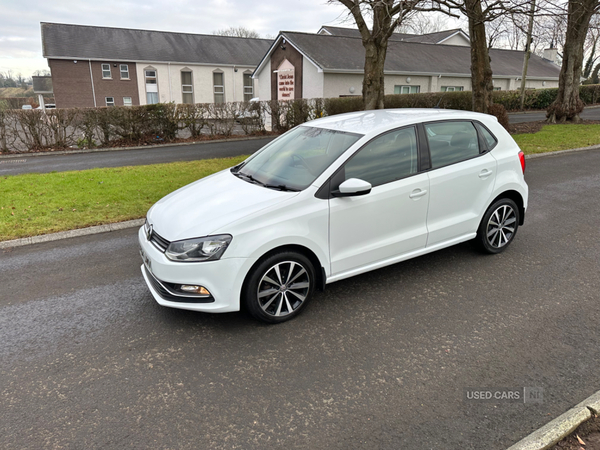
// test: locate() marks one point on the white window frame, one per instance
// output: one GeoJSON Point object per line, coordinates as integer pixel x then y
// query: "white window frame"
{"type": "Point", "coordinates": [248, 90]}
{"type": "Point", "coordinates": [219, 89]}
{"type": "Point", "coordinates": [127, 102]}
{"type": "Point", "coordinates": [155, 78]}
{"type": "Point", "coordinates": [453, 88]}
{"type": "Point", "coordinates": [126, 71]}
{"type": "Point", "coordinates": [104, 69]}
{"type": "Point", "coordinates": [111, 102]}
{"type": "Point", "coordinates": [409, 87]}
{"type": "Point", "coordinates": [146, 76]}
{"type": "Point", "coordinates": [189, 87]}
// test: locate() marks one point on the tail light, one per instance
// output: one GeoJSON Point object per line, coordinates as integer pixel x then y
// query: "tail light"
{"type": "Point", "coordinates": [522, 159]}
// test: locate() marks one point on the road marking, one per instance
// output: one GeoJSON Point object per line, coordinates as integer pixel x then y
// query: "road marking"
{"type": "Point", "coordinates": [8, 161]}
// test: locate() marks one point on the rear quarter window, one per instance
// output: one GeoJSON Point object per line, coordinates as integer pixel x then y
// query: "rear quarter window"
{"type": "Point", "coordinates": [489, 138]}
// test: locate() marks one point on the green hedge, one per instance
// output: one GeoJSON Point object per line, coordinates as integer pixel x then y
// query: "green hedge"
{"type": "Point", "coordinates": [511, 100]}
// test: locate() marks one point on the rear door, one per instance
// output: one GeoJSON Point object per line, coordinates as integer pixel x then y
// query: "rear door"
{"type": "Point", "coordinates": [461, 179]}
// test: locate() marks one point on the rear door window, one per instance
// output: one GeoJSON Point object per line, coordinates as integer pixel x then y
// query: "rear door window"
{"type": "Point", "coordinates": [451, 142]}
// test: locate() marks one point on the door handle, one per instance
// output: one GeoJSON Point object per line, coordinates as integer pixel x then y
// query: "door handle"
{"type": "Point", "coordinates": [485, 173]}
{"type": "Point", "coordinates": [418, 193]}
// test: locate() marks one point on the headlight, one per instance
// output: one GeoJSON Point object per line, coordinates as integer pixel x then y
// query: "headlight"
{"type": "Point", "coordinates": [207, 248]}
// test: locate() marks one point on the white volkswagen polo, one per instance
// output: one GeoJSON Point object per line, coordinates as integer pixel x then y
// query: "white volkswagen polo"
{"type": "Point", "coordinates": [331, 199]}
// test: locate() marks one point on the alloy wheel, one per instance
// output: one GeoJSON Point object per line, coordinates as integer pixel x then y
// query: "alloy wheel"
{"type": "Point", "coordinates": [283, 288]}
{"type": "Point", "coordinates": [501, 226]}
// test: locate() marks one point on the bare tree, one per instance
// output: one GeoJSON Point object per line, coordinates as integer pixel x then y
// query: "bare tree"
{"type": "Point", "coordinates": [242, 32]}
{"type": "Point", "coordinates": [386, 16]}
{"type": "Point", "coordinates": [498, 31]}
{"type": "Point", "coordinates": [478, 13]}
{"type": "Point", "coordinates": [423, 23]}
{"type": "Point", "coordinates": [568, 105]}
{"type": "Point", "coordinates": [527, 52]}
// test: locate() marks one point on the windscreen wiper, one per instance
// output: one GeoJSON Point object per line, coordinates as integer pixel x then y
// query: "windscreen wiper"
{"type": "Point", "coordinates": [250, 178]}
{"type": "Point", "coordinates": [281, 187]}
{"type": "Point", "coordinates": [247, 177]}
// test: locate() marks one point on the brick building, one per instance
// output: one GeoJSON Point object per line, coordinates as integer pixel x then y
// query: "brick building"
{"type": "Point", "coordinates": [102, 66]}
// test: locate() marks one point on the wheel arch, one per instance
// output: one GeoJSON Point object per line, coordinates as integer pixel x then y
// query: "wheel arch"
{"type": "Point", "coordinates": [313, 258]}
{"type": "Point", "coordinates": [516, 197]}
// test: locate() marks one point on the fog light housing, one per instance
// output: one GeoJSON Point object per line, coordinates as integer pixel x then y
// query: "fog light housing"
{"type": "Point", "coordinates": [193, 289]}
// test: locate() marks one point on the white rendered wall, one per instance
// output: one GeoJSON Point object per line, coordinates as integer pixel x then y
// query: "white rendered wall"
{"type": "Point", "coordinates": [457, 40]}
{"type": "Point", "coordinates": [336, 84]}
{"type": "Point", "coordinates": [262, 82]}
{"type": "Point", "coordinates": [169, 82]}
{"type": "Point", "coordinates": [401, 80]}
{"type": "Point", "coordinates": [312, 80]}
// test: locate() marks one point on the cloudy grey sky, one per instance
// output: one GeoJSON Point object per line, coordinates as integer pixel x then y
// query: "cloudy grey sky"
{"type": "Point", "coordinates": [20, 40]}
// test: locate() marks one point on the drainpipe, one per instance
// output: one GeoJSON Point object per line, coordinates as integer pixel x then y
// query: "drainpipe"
{"type": "Point", "coordinates": [92, 78]}
{"type": "Point", "coordinates": [169, 70]}
{"type": "Point", "coordinates": [233, 80]}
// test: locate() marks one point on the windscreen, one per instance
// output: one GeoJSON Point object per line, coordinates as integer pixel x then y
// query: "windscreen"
{"type": "Point", "coordinates": [297, 158]}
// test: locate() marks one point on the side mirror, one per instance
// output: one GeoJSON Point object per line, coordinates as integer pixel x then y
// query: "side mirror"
{"type": "Point", "coordinates": [352, 187]}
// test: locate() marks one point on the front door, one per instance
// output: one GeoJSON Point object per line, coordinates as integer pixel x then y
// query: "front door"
{"type": "Point", "coordinates": [389, 221]}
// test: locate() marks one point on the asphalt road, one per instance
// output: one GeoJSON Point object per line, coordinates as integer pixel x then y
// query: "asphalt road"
{"type": "Point", "coordinates": [587, 114]}
{"type": "Point", "coordinates": [82, 161]}
{"type": "Point", "coordinates": [89, 360]}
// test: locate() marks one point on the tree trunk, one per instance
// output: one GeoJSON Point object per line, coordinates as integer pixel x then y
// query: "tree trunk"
{"type": "Point", "coordinates": [527, 54]}
{"type": "Point", "coordinates": [373, 81]}
{"type": "Point", "coordinates": [568, 105]}
{"type": "Point", "coordinates": [481, 70]}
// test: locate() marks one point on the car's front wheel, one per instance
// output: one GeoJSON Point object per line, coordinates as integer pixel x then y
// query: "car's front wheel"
{"type": "Point", "coordinates": [498, 226]}
{"type": "Point", "coordinates": [279, 287]}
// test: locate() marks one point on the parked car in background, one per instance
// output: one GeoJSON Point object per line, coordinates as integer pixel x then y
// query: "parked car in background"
{"type": "Point", "coordinates": [26, 107]}
{"type": "Point", "coordinates": [47, 106]}
{"type": "Point", "coordinates": [330, 199]}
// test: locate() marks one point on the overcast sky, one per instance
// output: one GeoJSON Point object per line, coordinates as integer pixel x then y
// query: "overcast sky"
{"type": "Point", "coordinates": [20, 39]}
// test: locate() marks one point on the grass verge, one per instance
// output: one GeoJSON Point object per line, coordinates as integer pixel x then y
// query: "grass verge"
{"type": "Point", "coordinates": [552, 138]}
{"type": "Point", "coordinates": [35, 204]}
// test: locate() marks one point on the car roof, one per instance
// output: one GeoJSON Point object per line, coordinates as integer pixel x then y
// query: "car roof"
{"type": "Point", "coordinates": [377, 121]}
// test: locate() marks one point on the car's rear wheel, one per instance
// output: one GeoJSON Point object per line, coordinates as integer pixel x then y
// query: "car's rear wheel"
{"type": "Point", "coordinates": [498, 226]}
{"type": "Point", "coordinates": [279, 287]}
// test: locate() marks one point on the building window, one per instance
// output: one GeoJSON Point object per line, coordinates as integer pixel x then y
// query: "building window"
{"type": "Point", "coordinates": [497, 88]}
{"type": "Point", "coordinates": [187, 88]}
{"type": "Point", "coordinates": [110, 101]}
{"type": "Point", "coordinates": [151, 86]}
{"type": "Point", "coordinates": [452, 88]}
{"type": "Point", "coordinates": [248, 87]}
{"type": "Point", "coordinates": [407, 89]}
{"type": "Point", "coordinates": [124, 72]}
{"type": "Point", "coordinates": [106, 71]}
{"type": "Point", "coordinates": [219, 87]}
{"type": "Point", "coordinates": [127, 101]}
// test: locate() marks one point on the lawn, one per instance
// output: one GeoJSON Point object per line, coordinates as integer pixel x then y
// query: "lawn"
{"type": "Point", "coordinates": [559, 137]}
{"type": "Point", "coordinates": [36, 204]}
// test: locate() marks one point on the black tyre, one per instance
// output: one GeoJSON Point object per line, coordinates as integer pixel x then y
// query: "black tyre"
{"type": "Point", "coordinates": [279, 287]}
{"type": "Point", "coordinates": [499, 226]}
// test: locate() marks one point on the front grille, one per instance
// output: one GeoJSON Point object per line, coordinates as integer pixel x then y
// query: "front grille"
{"type": "Point", "coordinates": [168, 295]}
{"type": "Point", "coordinates": [159, 242]}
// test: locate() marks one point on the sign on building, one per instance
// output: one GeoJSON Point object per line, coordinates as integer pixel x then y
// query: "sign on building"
{"type": "Point", "coordinates": [285, 81]}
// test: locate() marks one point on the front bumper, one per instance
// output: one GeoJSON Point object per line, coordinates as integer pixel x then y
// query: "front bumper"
{"type": "Point", "coordinates": [223, 279]}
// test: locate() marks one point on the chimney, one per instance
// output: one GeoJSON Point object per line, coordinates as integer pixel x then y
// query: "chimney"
{"type": "Point", "coordinates": [551, 54]}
